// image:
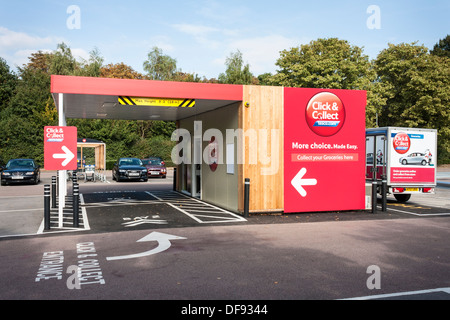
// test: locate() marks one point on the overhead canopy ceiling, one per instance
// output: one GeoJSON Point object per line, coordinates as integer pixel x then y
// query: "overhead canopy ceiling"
{"type": "Point", "coordinates": [98, 98]}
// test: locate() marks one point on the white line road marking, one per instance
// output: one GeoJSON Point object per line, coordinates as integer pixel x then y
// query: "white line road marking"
{"type": "Point", "coordinates": [189, 206]}
{"type": "Point", "coordinates": [163, 240]}
{"type": "Point", "coordinates": [399, 294]}
{"type": "Point", "coordinates": [18, 210]}
{"type": "Point", "coordinates": [185, 212]}
{"type": "Point", "coordinates": [420, 214]}
{"type": "Point", "coordinates": [142, 220]}
{"type": "Point", "coordinates": [153, 195]}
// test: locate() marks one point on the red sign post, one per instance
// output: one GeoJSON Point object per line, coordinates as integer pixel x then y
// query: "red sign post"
{"type": "Point", "coordinates": [324, 150]}
{"type": "Point", "coordinates": [60, 148]}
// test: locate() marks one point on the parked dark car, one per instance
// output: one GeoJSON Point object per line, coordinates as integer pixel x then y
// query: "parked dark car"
{"type": "Point", "coordinates": [20, 170]}
{"type": "Point", "coordinates": [129, 169]}
{"type": "Point", "coordinates": [155, 167]}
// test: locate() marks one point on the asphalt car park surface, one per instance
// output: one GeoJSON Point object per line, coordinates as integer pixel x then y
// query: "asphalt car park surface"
{"type": "Point", "coordinates": [265, 256]}
{"type": "Point", "coordinates": [134, 210]}
{"type": "Point", "coordinates": [120, 206]}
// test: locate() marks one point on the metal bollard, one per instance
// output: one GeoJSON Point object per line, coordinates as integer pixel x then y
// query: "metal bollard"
{"type": "Point", "coordinates": [75, 205]}
{"type": "Point", "coordinates": [54, 192]}
{"type": "Point", "coordinates": [374, 180]}
{"type": "Point", "coordinates": [174, 179]}
{"type": "Point", "coordinates": [74, 177]}
{"type": "Point", "coordinates": [47, 207]}
{"type": "Point", "coordinates": [374, 196]}
{"type": "Point", "coordinates": [246, 197]}
{"type": "Point", "coordinates": [384, 193]}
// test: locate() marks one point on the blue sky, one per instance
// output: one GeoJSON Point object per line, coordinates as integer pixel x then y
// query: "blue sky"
{"type": "Point", "coordinates": [201, 34]}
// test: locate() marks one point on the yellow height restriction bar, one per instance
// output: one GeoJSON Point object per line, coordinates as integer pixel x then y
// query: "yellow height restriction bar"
{"type": "Point", "coordinates": [158, 102]}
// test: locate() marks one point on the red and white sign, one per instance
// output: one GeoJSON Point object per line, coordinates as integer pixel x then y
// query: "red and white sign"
{"type": "Point", "coordinates": [325, 114]}
{"type": "Point", "coordinates": [324, 150]}
{"type": "Point", "coordinates": [412, 175]}
{"type": "Point", "coordinates": [60, 148]}
{"type": "Point", "coordinates": [401, 142]}
{"type": "Point", "coordinates": [414, 158]}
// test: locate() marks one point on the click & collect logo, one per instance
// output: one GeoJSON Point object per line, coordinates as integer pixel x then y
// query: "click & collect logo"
{"type": "Point", "coordinates": [325, 114]}
{"type": "Point", "coordinates": [402, 143]}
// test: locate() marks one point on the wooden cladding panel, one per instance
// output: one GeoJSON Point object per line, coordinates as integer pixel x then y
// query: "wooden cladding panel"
{"type": "Point", "coordinates": [263, 116]}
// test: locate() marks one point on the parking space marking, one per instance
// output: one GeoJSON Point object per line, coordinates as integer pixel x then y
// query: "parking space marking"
{"type": "Point", "coordinates": [193, 208]}
{"type": "Point", "coordinates": [119, 203]}
{"type": "Point", "coordinates": [214, 217]}
{"type": "Point", "coordinates": [148, 192]}
{"type": "Point", "coordinates": [419, 214]}
{"type": "Point", "coordinates": [185, 212]}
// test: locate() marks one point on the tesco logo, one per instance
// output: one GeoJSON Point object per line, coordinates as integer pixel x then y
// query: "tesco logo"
{"type": "Point", "coordinates": [325, 114]}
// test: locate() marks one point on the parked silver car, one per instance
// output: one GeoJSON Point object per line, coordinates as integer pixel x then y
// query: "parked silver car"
{"type": "Point", "coordinates": [414, 158]}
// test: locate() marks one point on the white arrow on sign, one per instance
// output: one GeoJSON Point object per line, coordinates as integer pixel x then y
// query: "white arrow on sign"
{"type": "Point", "coordinates": [298, 182]}
{"type": "Point", "coordinates": [67, 155]}
{"type": "Point", "coordinates": [163, 244]}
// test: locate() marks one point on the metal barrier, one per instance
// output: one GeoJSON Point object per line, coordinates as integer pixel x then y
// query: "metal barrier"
{"type": "Point", "coordinates": [53, 192]}
{"type": "Point", "coordinates": [246, 197]}
{"type": "Point", "coordinates": [75, 205]}
{"type": "Point", "coordinates": [174, 179]}
{"type": "Point", "coordinates": [47, 207]}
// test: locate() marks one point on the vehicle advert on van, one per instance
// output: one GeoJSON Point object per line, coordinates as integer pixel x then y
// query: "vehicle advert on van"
{"type": "Point", "coordinates": [413, 157]}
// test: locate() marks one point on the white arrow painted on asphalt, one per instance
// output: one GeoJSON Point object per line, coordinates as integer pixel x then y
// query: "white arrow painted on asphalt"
{"type": "Point", "coordinates": [298, 182]}
{"type": "Point", "coordinates": [67, 155]}
{"type": "Point", "coordinates": [163, 244]}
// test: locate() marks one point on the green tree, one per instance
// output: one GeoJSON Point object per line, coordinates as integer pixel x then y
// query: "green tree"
{"type": "Point", "coordinates": [324, 63]}
{"type": "Point", "coordinates": [160, 66]}
{"type": "Point", "coordinates": [236, 72]}
{"type": "Point", "coordinates": [91, 67]}
{"type": "Point", "coordinates": [31, 107]}
{"type": "Point", "coordinates": [185, 77]}
{"type": "Point", "coordinates": [330, 63]}
{"type": "Point", "coordinates": [416, 86]}
{"type": "Point", "coordinates": [39, 61]}
{"type": "Point", "coordinates": [27, 106]}
{"type": "Point", "coordinates": [119, 71]}
{"type": "Point", "coordinates": [8, 82]}
{"type": "Point", "coordinates": [442, 48]}
{"type": "Point", "coordinates": [23, 119]}
{"type": "Point", "coordinates": [264, 79]}
{"type": "Point", "coordinates": [62, 61]}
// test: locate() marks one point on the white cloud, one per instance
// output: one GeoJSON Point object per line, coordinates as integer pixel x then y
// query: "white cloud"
{"type": "Point", "coordinates": [262, 52]}
{"type": "Point", "coordinates": [202, 34]}
{"type": "Point", "coordinates": [16, 47]}
{"type": "Point", "coordinates": [162, 42]}
{"type": "Point", "coordinates": [195, 30]}
{"type": "Point", "coordinates": [222, 11]}
{"type": "Point", "coordinates": [80, 54]}
{"type": "Point", "coordinates": [14, 40]}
